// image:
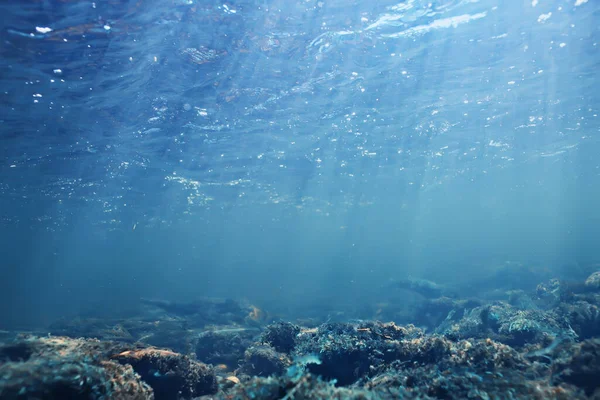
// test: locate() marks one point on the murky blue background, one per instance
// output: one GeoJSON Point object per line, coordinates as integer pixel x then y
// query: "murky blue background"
{"type": "Point", "coordinates": [298, 154]}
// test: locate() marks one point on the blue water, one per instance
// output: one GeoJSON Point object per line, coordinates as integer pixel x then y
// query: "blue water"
{"type": "Point", "coordinates": [298, 154]}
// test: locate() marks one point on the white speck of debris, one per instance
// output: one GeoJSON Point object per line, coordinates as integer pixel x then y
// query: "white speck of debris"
{"type": "Point", "coordinates": [107, 27]}
{"type": "Point", "coordinates": [534, 3]}
{"type": "Point", "coordinates": [580, 2]}
{"type": "Point", "coordinates": [511, 82]}
{"type": "Point", "coordinates": [544, 17]}
{"type": "Point", "coordinates": [37, 95]}
{"type": "Point", "coordinates": [229, 10]}
{"type": "Point", "coordinates": [57, 71]}
{"type": "Point", "coordinates": [41, 29]}
{"type": "Point", "coordinates": [562, 44]}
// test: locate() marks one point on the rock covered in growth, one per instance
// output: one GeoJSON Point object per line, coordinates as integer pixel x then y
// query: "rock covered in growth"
{"type": "Point", "coordinates": [264, 360]}
{"type": "Point", "coordinates": [171, 375]}
{"type": "Point", "coordinates": [580, 367]}
{"type": "Point", "coordinates": [583, 317]}
{"type": "Point", "coordinates": [26, 347]}
{"type": "Point", "coordinates": [224, 346]}
{"type": "Point", "coordinates": [348, 351]}
{"type": "Point", "coordinates": [443, 310]}
{"type": "Point", "coordinates": [507, 324]}
{"type": "Point", "coordinates": [63, 368]}
{"type": "Point", "coordinates": [551, 293]}
{"type": "Point", "coordinates": [479, 369]}
{"type": "Point", "coordinates": [427, 382]}
{"type": "Point", "coordinates": [593, 281]}
{"type": "Point", "coordinates": [308, 387]}
{"type": "Point", "coordinates": [70, 379]}
{"type": "Point", "coordinates": [426, 368]}
{"type": "Point", "coordinates": [281, 335]}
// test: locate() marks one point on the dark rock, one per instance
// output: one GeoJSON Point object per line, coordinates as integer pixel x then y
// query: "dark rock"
{"type": "Point", "coordinates": [64, 368]}
{"type": "Point", "coordinates": [281, 335]}
{"type": "Point", "coordinates": [583, 317]}
{"type": "Point", "coordinates": [349, 351]}
{"type": "Point", "coordinates": [264, 360]}
{"type": "Point", "coordinates": [225, 345]}
{"type": "Point", "coordinates": [171, 375]}
{"type": "Point", "coordinates": [580, 367]}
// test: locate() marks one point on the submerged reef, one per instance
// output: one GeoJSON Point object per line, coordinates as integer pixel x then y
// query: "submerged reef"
{"type": "Point", "coordinates": [541, 342]}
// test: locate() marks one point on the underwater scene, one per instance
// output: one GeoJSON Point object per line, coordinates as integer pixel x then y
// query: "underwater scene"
{"type": "Point", "coordinates": [299, 199]}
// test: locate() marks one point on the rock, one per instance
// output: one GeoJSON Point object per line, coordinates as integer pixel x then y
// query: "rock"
{"type": "Point", "coordinates": [581, 367]}
{"type": "Point", "coordinates": [63, 368]}
{"type": "Point", "coordinates": [171, 375]}
{"type": "Point", "coordinates": [225, 345]}
{"type": "Point", "coordinates": [593, 281]}
{"type": "Point", "coordinates": [583, 317]}
{"type": "Point", "coordinates": [281, 335]}
{"type": "Point", "coordinates": [349, 351]}
{"type": "Point", "coordinates": [264, 360]}
{"type": "Point", "coordinates": [507, 324]}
